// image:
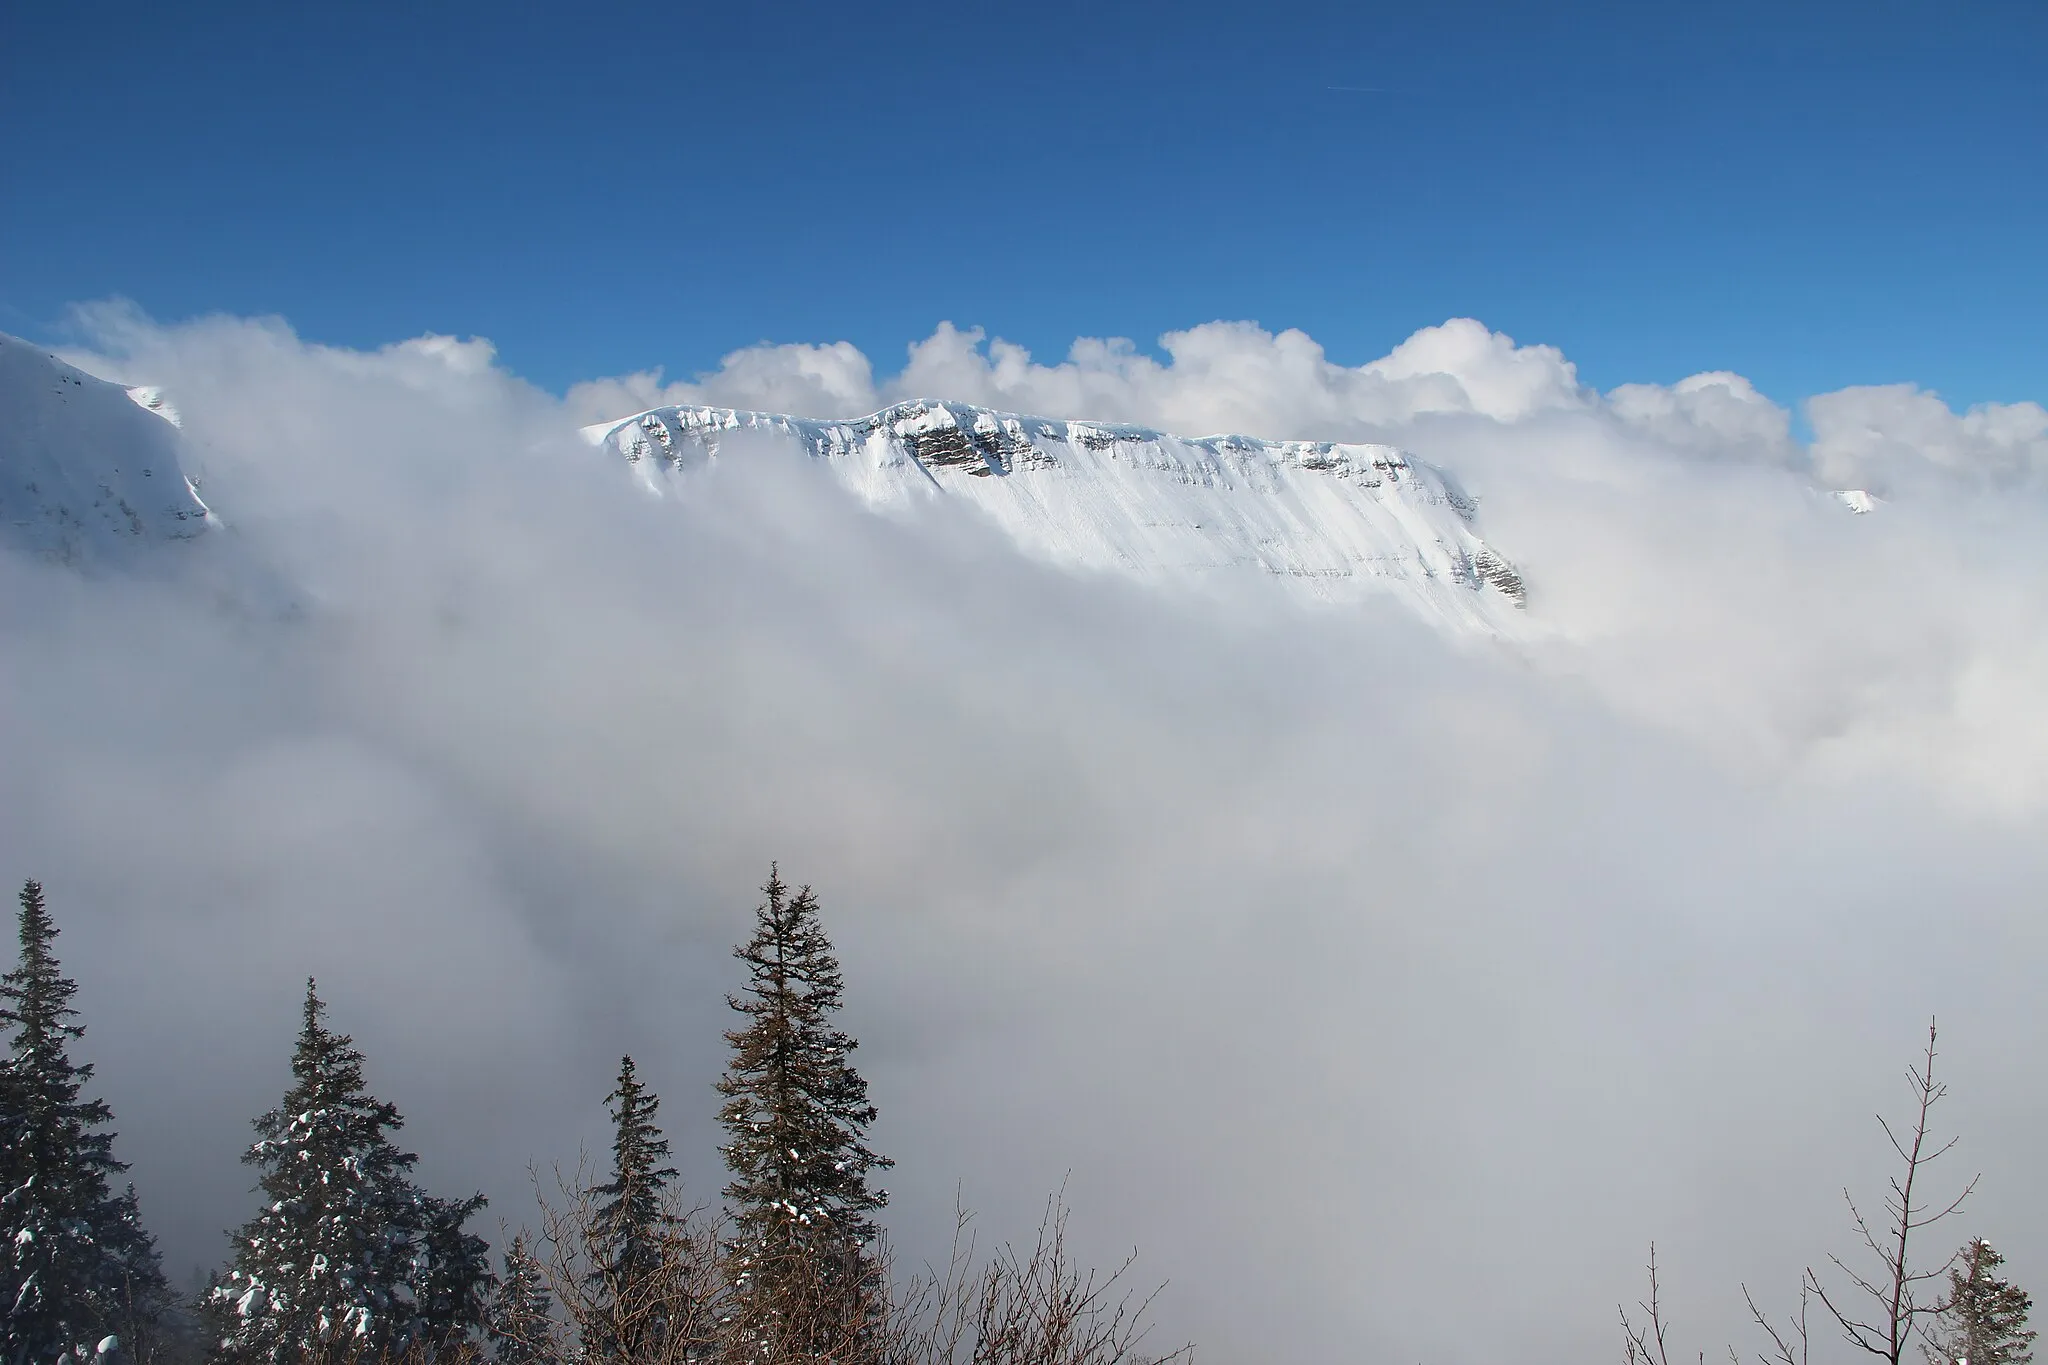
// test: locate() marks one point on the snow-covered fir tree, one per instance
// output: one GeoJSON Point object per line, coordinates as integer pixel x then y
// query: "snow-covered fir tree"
{"type": "Point", "coordinates": [632, 1226]}
{"type": "Point", "coordinates": [520, 1326]}
{"type": "Point", "coordinates": [76, 1267]}
{"type": "Point", "coordinates": [796, 1115]}
{"type": "Point", "coordinates": [1984, 1321]}
{"type": "Point", "coordinates": [347, 1253]}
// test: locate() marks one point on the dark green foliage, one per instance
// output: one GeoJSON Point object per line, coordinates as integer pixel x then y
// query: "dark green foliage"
{"type": "Point", "coordinates": [520, 1325]}
{"type": "Point", "coordinates": [1985, 1318]}
{"type": "Point", "coordinates": [452, 1272]}
{"type": "Point", "coordinates": [75, 1263]}
{"type": "Point", "coordinates": [796, 1114]}
{"type": "Point", "coordinates": [633, 1215]}
{"type": "Point", "coordinates": [347, 1252]}
{"type": "Point", "coordinates": [632, 1224]}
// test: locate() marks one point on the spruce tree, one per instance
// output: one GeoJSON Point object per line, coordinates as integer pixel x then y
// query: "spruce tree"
{"type": "Point", "coordinates": [1984, 1320]}
{"type": "Point", "coordinates": [451, 1272]}
{"type": "Point", "coordinates": [347, 1253]}
{"type": "Point", "coordinates": [632, 1225]}
{"type": "Point", "coordinates": [796, 1115]}
{"type": "Point", "coordinates": [520, 1326]}
{"type": "Point", "coordinates": [76, 1266]}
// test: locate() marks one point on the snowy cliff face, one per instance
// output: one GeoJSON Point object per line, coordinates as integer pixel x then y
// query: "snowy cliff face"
{"type": "Point", "coordinates": [1335, 519]}
{"type": "Point", "coordinates": [89, 470]}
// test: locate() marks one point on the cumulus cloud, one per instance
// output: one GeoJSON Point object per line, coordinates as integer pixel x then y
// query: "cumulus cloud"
{"type": "Point", "coordinates": [1221, 376]}
{"type": "Point", "coordinates": [1238, 377]}
{"type": "Point", "coordinates": [1367, 981]}
{"type": "Point", "coordinates": [1235, 376]}
{"type": "Point", "coordinates": [834, 380]}
{"type": "Point", "coordinates": [1714, 414]}
{"type": "Point", "coordinates": [1886, 435]}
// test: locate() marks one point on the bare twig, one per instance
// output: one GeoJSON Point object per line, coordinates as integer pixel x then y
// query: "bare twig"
{"type": "Point", "coordinates": [1645, 1344]}
{"type": "Point", "coordinates": [1793, 1344]}
{"type": "Point", "coordinates": [1891, 1306]}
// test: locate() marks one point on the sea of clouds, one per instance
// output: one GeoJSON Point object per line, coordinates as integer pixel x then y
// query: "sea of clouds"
{"type": "Point", "coordinates": [1389, 992]}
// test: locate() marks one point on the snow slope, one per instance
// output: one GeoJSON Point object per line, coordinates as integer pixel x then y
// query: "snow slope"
{"type": "Point", "coordinates": [88, 470]}
{"type": "Point", "coordinates": [1335, 519]}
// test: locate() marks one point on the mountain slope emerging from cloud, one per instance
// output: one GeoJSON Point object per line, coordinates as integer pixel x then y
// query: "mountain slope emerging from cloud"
{"type": "Point", "coordinates": [1336, 519]}
{"type": "Point", "coordinates": [88, 470]}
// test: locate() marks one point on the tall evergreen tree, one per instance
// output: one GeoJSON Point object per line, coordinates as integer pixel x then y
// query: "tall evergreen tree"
{"type": "Point", "coordinates": [632, 1224]}
{"type": "Point", "coordinates": [347, 1253]}
{"type": "Point", "coordinates": [520, 1326]}
{"type": "Point", "coordinates": [796, 1115]}
{"type": "Point", "coordinates": [1984, 1321]}
{"type": "Point", "coordinates": [75, 1264]}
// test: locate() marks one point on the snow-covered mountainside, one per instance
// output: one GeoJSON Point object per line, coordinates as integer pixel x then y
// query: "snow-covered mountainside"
{"type": "Point", "coordinates": [1337, 519]}
{"type": "Point", "coordinates": [88, 470]}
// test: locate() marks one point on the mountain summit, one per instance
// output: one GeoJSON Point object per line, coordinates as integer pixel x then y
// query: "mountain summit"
{"type": "Point", "coordinates": [1336, 519]}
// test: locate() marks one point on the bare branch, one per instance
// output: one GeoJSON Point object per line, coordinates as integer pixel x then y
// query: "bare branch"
{"type": "Point", "coordinates": [1783, 1343]}
{"type": "Point", "coordinates": [1890, 1318]}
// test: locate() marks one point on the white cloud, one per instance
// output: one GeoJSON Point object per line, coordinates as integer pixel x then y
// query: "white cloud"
{"type": "Point", "coordinates": [834, 380]}
{"type": "Point", "coordinates": [1885, 435]}
{"type": "Point", "coordinates": [1462, 367]}
{"type": "Point", "coordinates": [472, 356]}
{"type": "Point", "coordinates": [1220, 376]}
{"type": "Point", "coordinates": [1447, 978]}
{"type": "Point", "coordinates": [1237, 377]}
{"type": "Point", "coordinates": [1709, 413]}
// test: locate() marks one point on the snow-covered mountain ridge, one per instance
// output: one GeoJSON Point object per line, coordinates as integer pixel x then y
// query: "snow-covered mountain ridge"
{"type": "Point", "coordinates": [90, 473]}
{"type": "Point", "coordinates": [88, 470]}
{"type": "Point", "coordinates": [1337, 519]}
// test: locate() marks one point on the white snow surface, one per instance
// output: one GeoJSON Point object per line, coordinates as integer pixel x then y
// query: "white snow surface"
{"type": "Point", "coordinates": [1336, 520]}
{"type": "Point", "coordinates": [88, 470]}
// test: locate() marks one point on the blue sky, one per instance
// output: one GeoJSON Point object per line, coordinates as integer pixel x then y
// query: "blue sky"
{"type": "Point", "coordinates": [1851, 193]}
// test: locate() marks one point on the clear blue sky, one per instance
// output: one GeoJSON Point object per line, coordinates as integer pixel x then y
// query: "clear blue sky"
{"type": "Point", "coordinates": [1810, 192]}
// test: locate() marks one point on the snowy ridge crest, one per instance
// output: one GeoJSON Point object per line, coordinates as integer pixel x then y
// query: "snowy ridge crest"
{"type": "Point", "coordinates": [1337, 519]}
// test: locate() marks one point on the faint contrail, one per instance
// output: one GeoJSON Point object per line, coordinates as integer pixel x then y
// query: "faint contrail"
{"type": "Point", "coordinates": [1358, 89]}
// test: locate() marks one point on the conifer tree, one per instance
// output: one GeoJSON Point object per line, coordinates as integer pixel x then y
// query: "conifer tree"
{"type": "Point", "coordinates": [451, 1272]}
{"type": "Point", "coordinates": [796, 1115]}
{"type": "Point", "coordinates": [347, 1253]}
{"type": "Point", "coordinates": [520, 1326]}
{"type": "Point", "coordinates": [632, 1224]}
{"type": "Point", "coordinates": [76, 1266]}
{"type": "Point", "coordinates": [1984, 1321]}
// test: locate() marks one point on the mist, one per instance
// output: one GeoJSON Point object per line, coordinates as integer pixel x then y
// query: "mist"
{"type": "Point", "coordinates": [1390, 992]}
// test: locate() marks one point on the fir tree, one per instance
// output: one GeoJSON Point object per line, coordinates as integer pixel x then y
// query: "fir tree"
{"type": "Point", "coordinates": [1984, 1321]}
{"type": "Point", "coordinates": [451, 1277]}
{"type": "Point", "coordinates": [347, 1253]}
{"type": "Point", "coordinates": [76, 1266]}
{"type": "Point", "coordinates": [632, 1224]}
{"type": "Point", "coordinates": [521, 1324]}
{"type": "Point", "coordinates": [796, 1115]}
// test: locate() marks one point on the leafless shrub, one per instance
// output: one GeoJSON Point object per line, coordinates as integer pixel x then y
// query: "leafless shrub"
{"type": "Point", "coordinates": [1019, 1306]}
{"type": "Point", "coordinates": [1024, 1308]}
